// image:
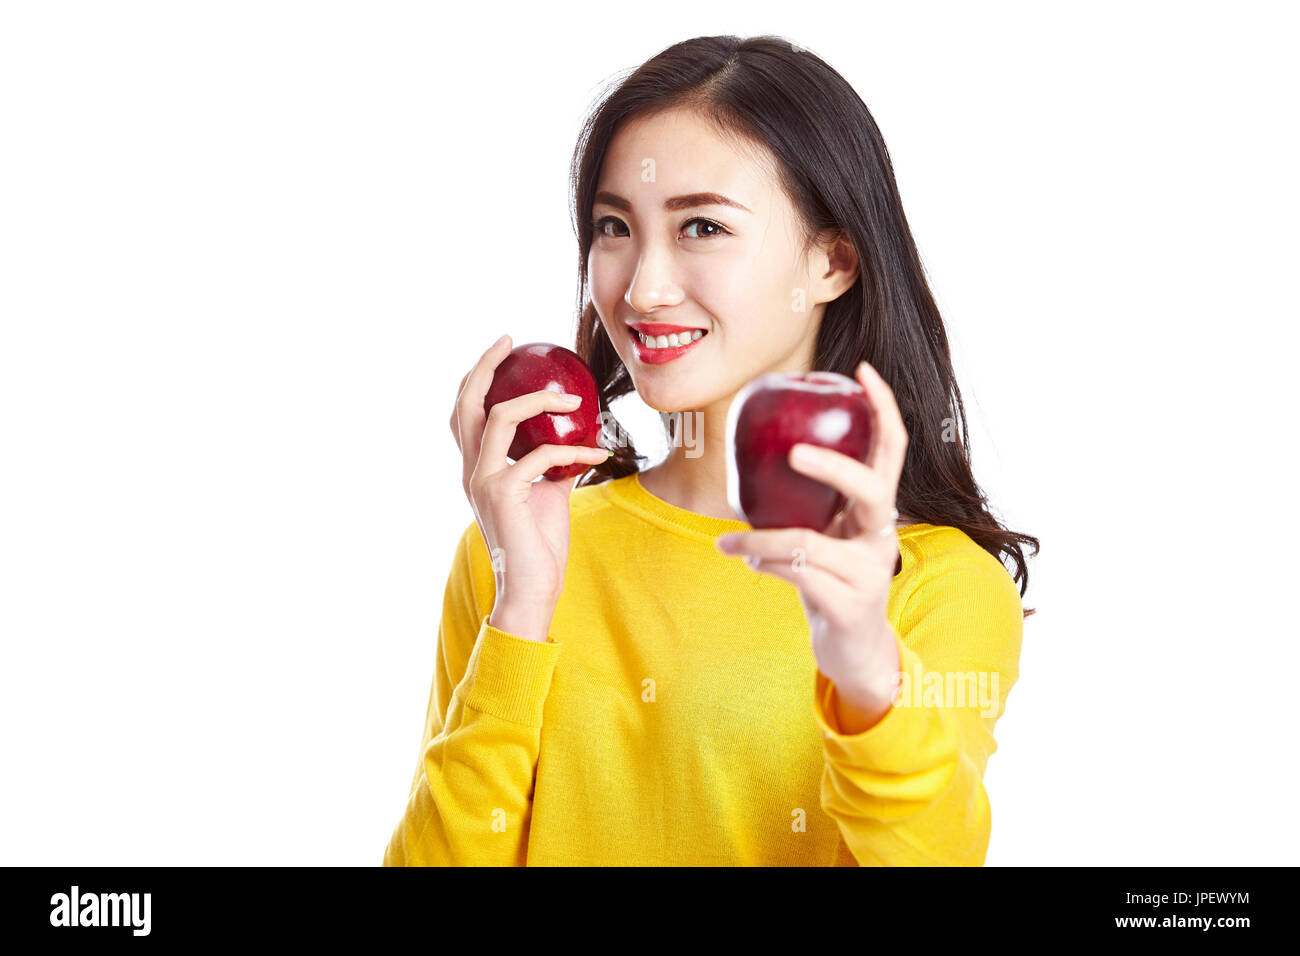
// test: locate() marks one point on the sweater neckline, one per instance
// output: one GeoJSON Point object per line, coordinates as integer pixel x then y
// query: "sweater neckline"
{"type": "Point", "coordinates": [631, 495]}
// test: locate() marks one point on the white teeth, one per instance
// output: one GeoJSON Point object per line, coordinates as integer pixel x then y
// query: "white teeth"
{"type": "Point", "coordinates": [669, 341]}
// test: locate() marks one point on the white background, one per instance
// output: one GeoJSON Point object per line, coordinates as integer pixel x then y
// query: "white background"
{"type": "Point", "coordinates": [247, 251]}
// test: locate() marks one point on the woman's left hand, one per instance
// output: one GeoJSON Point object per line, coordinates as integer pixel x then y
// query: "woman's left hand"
{"type": "Point", "coordinates": [844, 574]}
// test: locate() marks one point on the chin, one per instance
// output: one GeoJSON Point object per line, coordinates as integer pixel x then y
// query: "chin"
{"type": "Point", "coordinates": [660, 400]}
{"type": "Point", "coordinates": [665, 401]}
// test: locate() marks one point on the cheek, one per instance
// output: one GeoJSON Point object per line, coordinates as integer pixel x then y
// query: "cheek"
{"type": "Point", "coordinates": [727, 288]}
{"type": "Point", "coordinates": [753, 299]}
{"type": "Point", "coordinates": [606, 293]}
{"type": "Point", "coordinates": [604, 277]}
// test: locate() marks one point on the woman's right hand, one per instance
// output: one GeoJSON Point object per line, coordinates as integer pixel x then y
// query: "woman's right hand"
{"type": "Point", "coordinates": [524, 524]}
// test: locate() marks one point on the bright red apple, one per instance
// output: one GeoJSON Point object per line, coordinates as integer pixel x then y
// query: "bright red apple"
{"type": "Point", "coordinates": [776, 411]}
{"type": "Point", "coordinates": [539, 365]}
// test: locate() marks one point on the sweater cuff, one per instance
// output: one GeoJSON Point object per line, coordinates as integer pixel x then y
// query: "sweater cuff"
{"type": "Point", "coordinates": [510, 675]}
{"type": "Point", "coordinates": [906, 735]}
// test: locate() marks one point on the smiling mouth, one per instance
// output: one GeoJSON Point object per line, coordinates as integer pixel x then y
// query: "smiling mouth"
{"type": "Point", "coordinates": [649, 351]}
{"type": "Point", "coordinates": [676, 340]}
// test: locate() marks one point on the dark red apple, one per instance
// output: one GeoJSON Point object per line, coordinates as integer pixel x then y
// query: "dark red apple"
{"type": "Point", "coordinates": [539, 365]}
{"type": "Point", "coordinates": [774, 412]}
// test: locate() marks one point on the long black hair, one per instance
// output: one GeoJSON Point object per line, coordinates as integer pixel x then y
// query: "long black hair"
{"type": "Point", "coordinates": [835, 169]}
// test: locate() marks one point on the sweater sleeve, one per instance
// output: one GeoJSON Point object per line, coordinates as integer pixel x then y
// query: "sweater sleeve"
{"type": "Point", "coordinates": [471, 797]}
{"type": "Point", "coordinates": [909, 790]}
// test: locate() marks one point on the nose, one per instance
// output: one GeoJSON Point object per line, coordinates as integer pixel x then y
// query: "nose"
{"type": "Point", "coordinates": [653, 286]}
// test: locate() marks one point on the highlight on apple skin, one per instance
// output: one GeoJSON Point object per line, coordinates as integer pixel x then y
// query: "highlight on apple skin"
{"type": "Point", "coordinates": [771, 414]}
{"type": "Point", "coordinates": [539, 365]}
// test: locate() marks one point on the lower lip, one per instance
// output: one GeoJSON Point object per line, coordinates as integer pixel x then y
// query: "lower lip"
{"type": "Point", "coordinates": [660, 356]}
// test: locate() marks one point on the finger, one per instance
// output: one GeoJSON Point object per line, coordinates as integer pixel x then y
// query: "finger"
{"type": "Point", "coordinates": [802, 548]}
{"type": "Point", "coordinates": [455, 409]}
{"type": "Point", "coordinates": [871, 494]}
{"type": "Point", "coordinates": [890, 447]}
{"type": "Point", "coordinates": [499, 433]}
{"type": "Point", "coordinates": [545, 457]}
{"type": "Point", "coordinates": [822, 592]}
{"type": "Point", "coordinates": [470, 418]}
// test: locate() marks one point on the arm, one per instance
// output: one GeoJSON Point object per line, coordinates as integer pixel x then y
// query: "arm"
{"type": "Point", "coordinates": [908, 791]}
{"type": "Point", "coordinates": [471, 797]}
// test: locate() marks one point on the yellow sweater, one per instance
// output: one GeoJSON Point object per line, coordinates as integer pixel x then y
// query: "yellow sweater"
{"type": "Point", "coordinates": [676, 715]}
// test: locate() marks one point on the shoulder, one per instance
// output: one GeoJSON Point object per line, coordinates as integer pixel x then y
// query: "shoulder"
{"type": "Point", "coordinates": [962, 609]}
{"type": "Point", "coordinates": [949, 568]}
{"type": "Point", "coordinates": [942, 549]}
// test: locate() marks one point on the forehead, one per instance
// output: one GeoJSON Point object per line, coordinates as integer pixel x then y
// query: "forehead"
{"type": "Point", "coordinates": [689, 155]}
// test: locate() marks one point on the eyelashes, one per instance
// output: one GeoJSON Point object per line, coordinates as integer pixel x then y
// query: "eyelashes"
{"type": "Point", "coordinates": [599, 227]}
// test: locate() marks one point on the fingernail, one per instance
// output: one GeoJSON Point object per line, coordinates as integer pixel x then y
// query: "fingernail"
{"type": "Point", "coordinates": [569, 399]}
{"type": "Point", "coordinates": [803, 455]}
{"type": "Point", "coordinates": [724, 542]}
{"type": "Point", "coordinates": [500, 340]}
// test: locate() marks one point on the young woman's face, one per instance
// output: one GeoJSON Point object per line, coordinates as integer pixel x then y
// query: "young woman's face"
{"type": "Point", "coordinates": [736, 274]}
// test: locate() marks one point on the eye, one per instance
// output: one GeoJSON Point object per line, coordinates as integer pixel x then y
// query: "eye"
{"type": "Point", "coordinates": [599, 225]}
{"type": "Point", "coordinates": [706, 222]}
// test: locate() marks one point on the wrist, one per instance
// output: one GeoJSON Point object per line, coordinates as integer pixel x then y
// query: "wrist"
{"type": "Point", "coordinates": [868, 684]}
{"type": "Point", "coordinates": [856, 716]}
{"type": "Point", "coordinates": [529, 623]}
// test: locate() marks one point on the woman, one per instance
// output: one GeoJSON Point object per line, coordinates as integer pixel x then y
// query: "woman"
{"type": "Point", "coordinates": [619, 680]}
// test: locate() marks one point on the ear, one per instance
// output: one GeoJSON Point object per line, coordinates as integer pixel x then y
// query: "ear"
{"type": "Point", "coordinates": [841, 268]}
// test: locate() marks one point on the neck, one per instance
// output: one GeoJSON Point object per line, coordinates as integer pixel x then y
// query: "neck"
{"type": "Point", "coordinates": [694, 474]}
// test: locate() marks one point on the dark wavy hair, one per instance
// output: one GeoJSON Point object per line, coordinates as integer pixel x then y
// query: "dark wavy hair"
{"type": "Point", "coordinates": [833, 165]}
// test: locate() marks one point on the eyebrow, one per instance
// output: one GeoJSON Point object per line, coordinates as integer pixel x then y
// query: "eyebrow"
{"type": "Point", "coordinates": [675, 203]}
